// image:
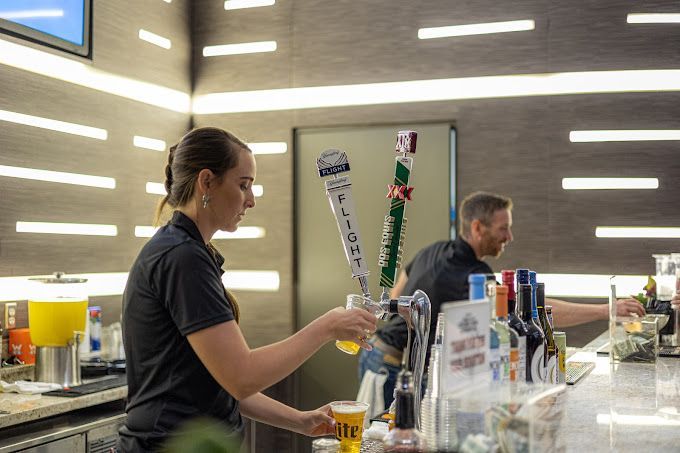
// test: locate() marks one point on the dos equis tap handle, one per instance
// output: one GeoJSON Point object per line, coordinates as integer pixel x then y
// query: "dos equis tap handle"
{"type": "Point", "coordinates": [331, 162]}
{"type": "Point", "coordinates": [394, 226]}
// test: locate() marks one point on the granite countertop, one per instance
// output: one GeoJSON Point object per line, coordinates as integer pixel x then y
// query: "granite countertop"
{"type": "Point", "coordinates": [26, 408]}
{"type": "Point", "coordinates": [623, 407]}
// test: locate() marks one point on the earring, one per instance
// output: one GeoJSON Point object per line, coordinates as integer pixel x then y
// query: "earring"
{"type": "Point", "coordinates": [205, 199]}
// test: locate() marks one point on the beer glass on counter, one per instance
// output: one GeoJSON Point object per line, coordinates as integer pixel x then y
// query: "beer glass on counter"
{"type": "Point", "coordinates": [349, 424]}
{"type": "Point", "coordinates": [355, 301]}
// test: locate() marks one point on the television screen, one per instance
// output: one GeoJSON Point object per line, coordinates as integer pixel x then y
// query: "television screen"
{"type": "Point", "coordinates": [60, 24]}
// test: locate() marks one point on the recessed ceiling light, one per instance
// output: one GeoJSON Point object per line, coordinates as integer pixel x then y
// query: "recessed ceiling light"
{"type": "Point", "coordinates": [86, 229]}
{"type": "Point", "coordinates": [476, 29]}
{"type": "Point", "coordinates": [241, 48]}
{"type": "Point", "coordinates": [624, 135]}
{"type": "Point", "coordinates": [653, 18]}
{"type": "Point", "coordinates": [609, 183]}
{"type": "Point", "coordinates": [58, 176]}
{"type": "Point", "coordinates": [155, 39]}
{"type": "Point", "coordinates": [54, 125]}
{"type": "Point", "coordinates": [240, 4]}
{"type": "Point", "coordinates": [637, 232]}
{"type": "Point", "coordinates": [148, 143]}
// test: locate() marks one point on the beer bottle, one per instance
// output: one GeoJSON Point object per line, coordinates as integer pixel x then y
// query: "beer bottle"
{"type": "Point", "coordinates": [550, 357]}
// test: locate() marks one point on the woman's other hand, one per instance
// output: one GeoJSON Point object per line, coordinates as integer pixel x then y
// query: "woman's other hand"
{"type": "Point", "coordinates": [316, 423]}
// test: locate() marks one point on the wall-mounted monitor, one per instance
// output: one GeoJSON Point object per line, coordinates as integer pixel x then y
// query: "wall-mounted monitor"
{"type": "Point", "coordinates": [59, 24]}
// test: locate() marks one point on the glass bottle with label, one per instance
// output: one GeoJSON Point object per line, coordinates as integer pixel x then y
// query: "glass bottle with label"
{"type": "Point", "coordinates": [517, 325]}
{"type": "Point", "coordinates": [534, 336]}
{"type": "Point", "coordinates": [550, 353]}
{"type": "Point", "coordinates": [509, 339]}
{"type": "Point", "coordinates": [478, 290]}
{"type": "Point", "coordinates": [404, 438]}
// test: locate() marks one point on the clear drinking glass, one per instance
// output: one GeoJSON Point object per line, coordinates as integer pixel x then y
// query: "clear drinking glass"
{"type": "Point", "coordinates": [355, 301]}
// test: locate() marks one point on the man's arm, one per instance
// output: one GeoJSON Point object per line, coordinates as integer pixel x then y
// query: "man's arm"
{"type": "Point", "coordinates": [567, 314]}
{"type": "Point", "coordinates": [398, 288]}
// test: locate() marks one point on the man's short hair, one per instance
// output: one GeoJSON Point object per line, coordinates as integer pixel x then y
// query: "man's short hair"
{"type": "Point", "coordinates": [481, 206]}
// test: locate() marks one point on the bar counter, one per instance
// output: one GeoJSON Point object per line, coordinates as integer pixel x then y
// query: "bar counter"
{"type": "Point", "coordinates": [625, 407]}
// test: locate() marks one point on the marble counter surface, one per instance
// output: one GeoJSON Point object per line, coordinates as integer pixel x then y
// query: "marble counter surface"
{"type": "Point", "coordinates": [626, 407]}
{"type": "Point", "coordinates": [16, 408]}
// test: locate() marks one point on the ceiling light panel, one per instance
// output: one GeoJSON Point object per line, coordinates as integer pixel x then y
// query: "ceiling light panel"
{"type": "Point", "coordinates": [439, 90]}
{"type": "Point", "coordinates": [86, 229]}
{"type": "Point", "coordinates": [653, 18]}
{"type": "Point", "coordinates": [588, 285]}
{"type": "Point", "coordinates": [238, 49]}
{"type": "Point", "coordinates": [624, 135]}
{"type": "Point", "coordinates": [251, 280]}
{"type": "Point", "coordinates": [609, 183]}
{"type": "Point", "coordinates": [68, 70]}
{"type": "Point", "coordinates": [58, 176]}
{"type": "Point", "coordinates": [155, 39]}
{"type": "Point", "coordinates": [53, 125]}
{"type": "Point", "coordinates": [637, 232]}
{"type": "Point", "coordinates": [148, 143]}
{"type": "Point", "coordinates": [476, 29]}
{"type": "Point", "coordinates": [241, 4]}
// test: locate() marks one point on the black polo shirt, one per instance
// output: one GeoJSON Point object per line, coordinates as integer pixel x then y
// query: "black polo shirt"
{"type": "Point", "coordinates": [174, 289]}
{"type": "Point", "coordinates": [441, 270]}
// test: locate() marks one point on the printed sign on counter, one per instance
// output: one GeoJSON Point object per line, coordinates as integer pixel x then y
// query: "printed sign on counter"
{"type": "Point", "coordinates": [466, 344]}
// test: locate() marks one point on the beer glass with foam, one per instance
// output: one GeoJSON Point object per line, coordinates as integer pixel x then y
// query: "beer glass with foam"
{"type": "Point", "coordinates": [349, 424]}
{"type": "Point", "coordinates": [355, 301]}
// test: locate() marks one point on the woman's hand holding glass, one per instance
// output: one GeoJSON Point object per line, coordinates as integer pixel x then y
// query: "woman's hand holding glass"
{"type": "Point", "coordinates": [351, 327]}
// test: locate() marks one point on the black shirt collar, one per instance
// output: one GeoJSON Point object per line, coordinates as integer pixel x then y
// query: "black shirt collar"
{"type": "Point", "coordinates": [464, 249]}
{"type": "Point", "coordinates": [182, 221]}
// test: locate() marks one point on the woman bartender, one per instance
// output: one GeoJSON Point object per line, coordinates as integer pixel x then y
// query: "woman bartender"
{"type": "Point", "coordinates": [186, 355]}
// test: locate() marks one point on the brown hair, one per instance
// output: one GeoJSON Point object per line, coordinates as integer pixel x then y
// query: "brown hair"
{"type": "Point", "coordinates": [205, 147]}
{"type": "Point", "coordinates": [480, 206]}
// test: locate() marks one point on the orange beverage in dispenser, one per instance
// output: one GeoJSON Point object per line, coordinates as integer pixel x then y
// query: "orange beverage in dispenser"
{"type": "Point", "coordinates": [54, 321]}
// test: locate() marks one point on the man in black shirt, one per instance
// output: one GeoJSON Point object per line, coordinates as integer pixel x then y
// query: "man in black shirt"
{"type": "Point", "coordinates": [441, 270]}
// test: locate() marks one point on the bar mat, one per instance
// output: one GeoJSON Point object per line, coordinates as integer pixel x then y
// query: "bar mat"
{"type": "Point", "coordinates": [90, 387]}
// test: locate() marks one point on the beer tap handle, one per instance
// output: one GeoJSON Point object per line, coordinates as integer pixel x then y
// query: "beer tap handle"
{"type": "Point", "coordinates": [332, 162]}
{"type": "Point", "coordinates": [392, 237]}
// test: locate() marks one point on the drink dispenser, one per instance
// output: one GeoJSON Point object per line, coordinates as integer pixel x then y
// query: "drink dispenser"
{"type": "Point", "coordinates": [57, 315]}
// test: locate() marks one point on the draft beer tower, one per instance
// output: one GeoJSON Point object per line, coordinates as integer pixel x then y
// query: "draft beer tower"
{"type": "Point", "coordinates": [415, 309]}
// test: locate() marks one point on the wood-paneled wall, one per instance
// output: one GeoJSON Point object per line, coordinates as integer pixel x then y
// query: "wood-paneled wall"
{"type": "Point", "coordinates": [118, 51]}
{"type": "Point", "coordinates": [516, 146]}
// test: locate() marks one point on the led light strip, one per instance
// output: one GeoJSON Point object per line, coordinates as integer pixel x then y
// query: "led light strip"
{"type": "Point", "coordinates": [148, 143]}
{"type": "Point", "coordinates": [476, 29]}
{"type": "Point", "coordinates": [653, 18]}
{"type": "Point", "coordinates": [439, 90]}
{"type": "Point", "coordinates": [268, 147]}
{"type": "Point", "coordinates": [157, 188]}
{"type": "Point", "coordinates": [85, 229]}
{"type": "Point", "coordinates": [244, 232]}
{"type": "Point", "coordinates": [54, 125]}
{"type": "Point", "coordinates": [609, 183]}
{"type": "Point", "coordinates": [238, 49]}
{"type": "Point", "coordinates": [155, 39]}
{"type": "Point", "coordinates": [27, 14]}
{"type": "Point", "coordinates": [589, 285]}
{"type": "Point", "coordinates": [240, 4]}
{"type": "Point", "coordinates": [58, 176]}
{"type": "Point", "coordinates": [113, 283]}
{"type": "Point", "coordinates": [637, 232]}
{"type": "Point", "coordinates": [78, 73]}
{"type": "Point", "coordinates": [624, 135]}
